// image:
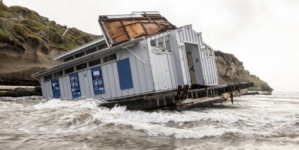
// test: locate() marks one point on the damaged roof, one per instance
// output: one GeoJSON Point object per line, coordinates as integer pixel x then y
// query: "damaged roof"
{"type": "Point", "coordinates": [120, 28]}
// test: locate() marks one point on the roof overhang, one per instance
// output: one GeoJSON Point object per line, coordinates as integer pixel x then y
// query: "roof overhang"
{"type": "Point", "coordinates": [80, 48]}
{"type": "Point", "coordinates": [87, 57]}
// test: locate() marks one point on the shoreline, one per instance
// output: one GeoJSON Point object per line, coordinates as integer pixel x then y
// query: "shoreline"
{"type": "Point", "coordinates": [11, 87]}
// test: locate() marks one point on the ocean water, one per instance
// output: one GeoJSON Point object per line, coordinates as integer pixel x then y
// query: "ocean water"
{"type": "Point", "coordinates": [252, 122]}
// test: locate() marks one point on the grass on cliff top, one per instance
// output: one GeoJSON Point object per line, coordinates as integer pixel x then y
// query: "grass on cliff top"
{"type": "Point", "coordinates": [7, 12]}
{"type": "Point", "coordinates": [31, 27]}
{"type": "Point", "coordinates": [7, 34]}
{"type": "Point", "coordinates": [27, 13]}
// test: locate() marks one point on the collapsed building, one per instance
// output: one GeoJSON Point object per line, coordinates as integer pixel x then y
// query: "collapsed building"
{"type": "Point", "coordinates": [140, 55]}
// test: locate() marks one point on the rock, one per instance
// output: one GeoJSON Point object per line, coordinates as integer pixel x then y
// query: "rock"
{"type": "Point", "coordinates": [18, 92]}
{"type": "Point", "coordinates": [231, 70]}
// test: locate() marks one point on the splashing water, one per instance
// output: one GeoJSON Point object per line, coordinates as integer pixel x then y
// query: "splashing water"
{"type": "Point", "coordinates": [254, 122]}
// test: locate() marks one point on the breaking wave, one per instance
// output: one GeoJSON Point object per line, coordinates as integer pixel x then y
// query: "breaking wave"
{"type": "Point", "coordinates": [251, 118]}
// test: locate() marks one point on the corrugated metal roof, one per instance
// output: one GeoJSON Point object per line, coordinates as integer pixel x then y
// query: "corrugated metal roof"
{"type": "Point", "coordinates": [80, 48]}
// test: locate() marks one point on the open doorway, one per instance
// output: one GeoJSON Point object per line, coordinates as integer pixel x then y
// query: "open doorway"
{"type": "Point", "coordinates": [194, 65]}
{"type": "Point", "coordinates": [191, 68]}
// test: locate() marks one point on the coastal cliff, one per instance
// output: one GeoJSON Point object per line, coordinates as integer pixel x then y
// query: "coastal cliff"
{"type": "Point", "coordinates": [29, 42]}
{"type": "Point", "coordinates": [231, 70]}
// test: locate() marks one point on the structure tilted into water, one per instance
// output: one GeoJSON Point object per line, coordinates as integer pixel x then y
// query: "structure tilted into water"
{"type": "Point", "coordinates": [143, 62]}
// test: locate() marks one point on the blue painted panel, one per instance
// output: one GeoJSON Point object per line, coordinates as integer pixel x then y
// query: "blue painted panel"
{"type": "Point", "coordinates": [75, 85]}
{"type": "Point", "coordinates": [55, 88]}
{"type": "Point", "coordinates": [124, 74]}
{"type": "Point", "coordinates": [97, 80]}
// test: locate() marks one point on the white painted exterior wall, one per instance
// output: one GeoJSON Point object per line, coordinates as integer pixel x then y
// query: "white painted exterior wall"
{"type": "Point", "coordinates": [151, 71]}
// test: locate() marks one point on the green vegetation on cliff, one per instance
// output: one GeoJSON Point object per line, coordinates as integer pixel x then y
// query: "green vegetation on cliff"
{"type": "Point", "coordinates": [19, 25]}
{"type": "Point", "coordinates": [29, 42]}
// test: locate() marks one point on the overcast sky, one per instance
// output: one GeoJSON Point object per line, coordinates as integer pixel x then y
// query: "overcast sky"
{"type": "Point", "coordinates": [263, 34]}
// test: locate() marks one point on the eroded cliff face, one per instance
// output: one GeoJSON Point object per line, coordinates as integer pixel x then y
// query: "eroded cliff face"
{"type": "Point", "coordinates": [29, 42]}
{"type": "Point", "coordinates": [231, 70]}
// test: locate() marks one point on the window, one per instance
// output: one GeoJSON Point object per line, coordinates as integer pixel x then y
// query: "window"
{"type": "Point", "coordinates": [91, 50]}
{"type": "Point", "coordinates": [48, 77]}
{"type": "Point", "coordinates": [69, 70]}
{"type": "Point", "coordinates": [153, 43]}
{"type": "Point", "coordinates": [167, 43]}
{"type": "Point", "coordinates": [57, 74]}
{"type": "Point", "coordinates": [81, 66]}
{"type": "Point", "coordinates": [94, 62]}
{"type": "Point", "coordinates": [208, 51]}
{"type": "Point", "coordinates": [161, 44]}
{"type": "Point", "coordinates": [79, 55]}
{"type": "Point", "coordinates": [109, 58]}
{"type": "Point", "coordinates": [68, 59]}
{"type": "Point", "coordinates": [102, 46]}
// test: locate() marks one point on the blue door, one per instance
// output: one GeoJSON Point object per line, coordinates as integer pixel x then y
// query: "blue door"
{"type": "Point", "coordinates": [55, 88]}
{"type": "Point", "coordinates": [124, 74]}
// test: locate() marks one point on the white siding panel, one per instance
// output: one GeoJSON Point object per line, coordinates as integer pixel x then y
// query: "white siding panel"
{"type": "Point", "coordinates": [90, 84]}
{"type": "Point", "coordinates": [134, 69]}
{"type": "Point", "coordinates": [111, 80]}
{"type": "Point", "coordinates": [87, 78]}
{"type": "Point", "coordinates": [116, 79]}
{"type": "Point", "coordinates": [61, 87]}
{"type": "Point", "coordinates": [81, 81]}
{"type": "Point", "coordinates": [43, 86]}
{"type": "Point", "coordinates": [107, 93]}
{"type": "Point", "coordinates": [141, 68]}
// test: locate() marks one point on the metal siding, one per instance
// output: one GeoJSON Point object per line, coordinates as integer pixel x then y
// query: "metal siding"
{"type": "Point", "coordinates": [86, 79]}
{"type": "Point", "coordinates": [141, 68]}
{"type": "Point", "coordinates": [82, 87]}
{"type": "Point", "coordinates": [161, 68]}
{"type": "Point", "coordinates": [147, 67]}
{"type": "Point", "coordinates": [49, 89]}
{"type": "Point", "coordinates": [202, 59]}
{"type": "Point", "coordinates": [107, 93]}
{"type": "Point", "coordinates": [153, 68]}
{"type": "Point", "coordinates": [174, 71]}
{"type": "Point", "coordinates": [170, 72]}
{"type": "Point", "coordinates": [68, 90]}
{"type": "Point", "coordinates": [174, 38]}
{"type": "Point", "coordinates": [65, 89]}
{"type": "Point", "coordinates": [111, 80]}
{"type": "Point", "coordinates": [134, 69]}
{"type": "Point", "coordinates": [115, 76]}
{"type": "Point", "coordinates": [43, 86]}
{"type": "Point", "coordinates": [167, 73]}
{"type": "Point", "coordinates": [46, 89]}
{"type": "Point", "coordinates": [62, 91]}
{"type": "Point", "coordinates": [90, 83]}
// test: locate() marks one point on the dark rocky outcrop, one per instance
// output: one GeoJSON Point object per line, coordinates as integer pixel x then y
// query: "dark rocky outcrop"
{"type": "Point", "coordinates": [231, 70]}
{"type": "Point", "coordinates": [22, 92]}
